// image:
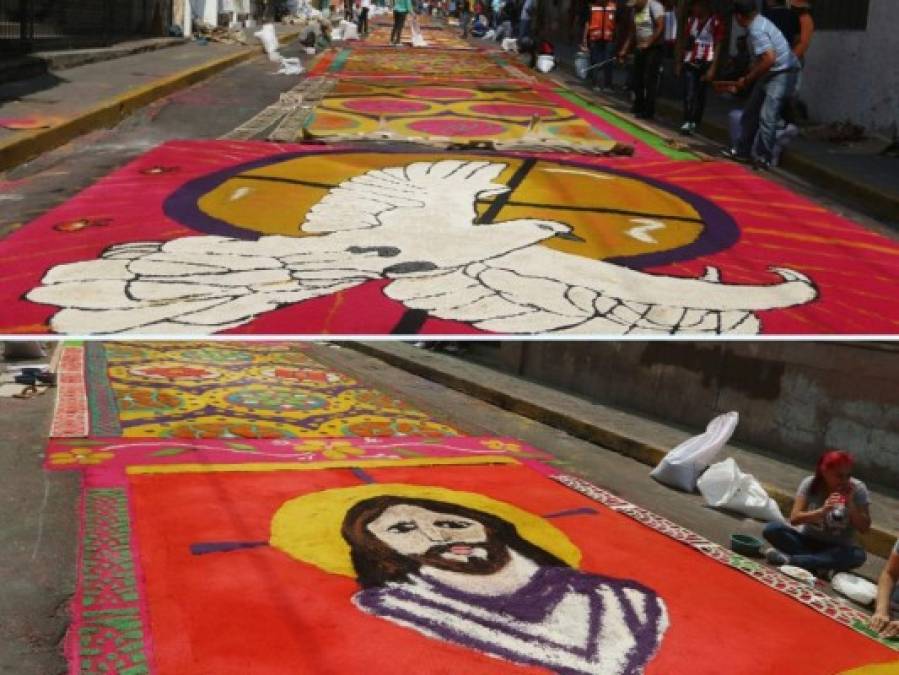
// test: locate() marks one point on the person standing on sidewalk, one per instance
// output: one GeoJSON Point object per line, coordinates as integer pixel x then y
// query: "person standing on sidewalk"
{"type": "Point", "coordinates": [803, 10]}
{"type": "Point", "coordinates": [526, 19]}
{"type": "Point", "coordinates": [830, 507]}
{"type": "Point", "coordinates": [645, 35]}
{"type": "Point", "coordinates": [364, 7]}
{"type": "Point", "coordinates": [400, 9]}
{"type": "Point", "coordinates": [701, 47]}
{"type": "Point", "coordinates": [774, 75]}
{"type": "Point", "coordinates": [786, 20]}
{"type": "Point", "coordinates": [599, 39]}
{"type": "Point", "coordinates": [464, 16]}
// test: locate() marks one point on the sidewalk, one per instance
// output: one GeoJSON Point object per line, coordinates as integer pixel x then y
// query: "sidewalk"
{"type": "Point", "coordinates": [88, 97]}
{"type": "Point", "coordinates": [628, 434]}
{"type": "Point", "coordinates": [856, 173]}
{"type": "Point", "coordinates": [36, 64]}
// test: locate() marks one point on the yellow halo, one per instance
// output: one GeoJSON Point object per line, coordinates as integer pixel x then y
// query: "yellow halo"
{"type": "Point", "coordinates": [891, 668]}
{"type": "Point", "coordinates": [307, 528]}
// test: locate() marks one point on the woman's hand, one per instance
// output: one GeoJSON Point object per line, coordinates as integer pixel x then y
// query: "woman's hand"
{"type": "Point", "coordinates": [879, 621]}
{"type": "Point", "coordinates": [889, 630]}
{"type": "Point", "coordinates": [834, 500]}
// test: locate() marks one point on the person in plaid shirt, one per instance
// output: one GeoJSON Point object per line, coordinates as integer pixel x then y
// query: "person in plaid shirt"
{"type": "Point", "coordinates": [701, 46]}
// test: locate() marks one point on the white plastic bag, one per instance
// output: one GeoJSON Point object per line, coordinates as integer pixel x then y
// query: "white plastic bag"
{"type": "Point", "coordinates": [290, 67]}
{"type": "Point", "coordinates": [681, 467]}
{"type": "Point", "coordinates": [855, 588]}
{"type": "Point", "coordinates": [724, 486]}
{"type": "Point", "coordinates": [269, 41]}
{"type": "Point", "coordinates": [418, 39]}
{"type": "Point", "coordinates": [350, 30]}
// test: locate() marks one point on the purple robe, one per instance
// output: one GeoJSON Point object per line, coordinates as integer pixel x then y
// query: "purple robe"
{"type": "Point", "coordinates": [562, 619]}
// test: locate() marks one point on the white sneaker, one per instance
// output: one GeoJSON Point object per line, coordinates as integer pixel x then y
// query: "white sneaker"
{"type": "Point", "coordinates": [686, 128]}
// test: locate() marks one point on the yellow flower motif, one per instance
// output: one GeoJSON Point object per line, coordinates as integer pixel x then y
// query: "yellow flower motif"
{"type": "Point", "coordinates": [502, 446]}
{"type": "Point", "coordinates": [330, 449]}
{"type": "Point", "coordinates": [81, 456]}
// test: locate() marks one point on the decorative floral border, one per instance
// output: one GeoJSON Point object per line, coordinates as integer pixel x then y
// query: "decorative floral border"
{"type": "Point", "coordinates": [109, 634]}
{"type": "Point", "coordinates": [115, 454]}
{"type": "Point", "coordinates": [811, 597]}
{"type": "Point", "coordinates": [70, 418]}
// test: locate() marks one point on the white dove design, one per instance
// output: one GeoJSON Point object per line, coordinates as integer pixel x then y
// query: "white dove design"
{"type": "Point", "coordinates": [416, 225]}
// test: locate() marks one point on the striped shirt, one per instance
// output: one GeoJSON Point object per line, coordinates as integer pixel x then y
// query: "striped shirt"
{"type": "Point", "coordinates": [703, 35]}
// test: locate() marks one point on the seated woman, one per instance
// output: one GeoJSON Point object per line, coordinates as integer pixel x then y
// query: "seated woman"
{"type": "Point", "coordinates": [887, 595]}
{"type": "Point", "coordinates": [830, 507]}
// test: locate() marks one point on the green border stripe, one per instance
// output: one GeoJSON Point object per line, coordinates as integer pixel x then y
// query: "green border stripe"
{"type": "Point", "coordinates": [339, 60]}
{"type": "Point", "coordinates": [104, 411]}
{"type": "Point", "coordinates": [616, 120]}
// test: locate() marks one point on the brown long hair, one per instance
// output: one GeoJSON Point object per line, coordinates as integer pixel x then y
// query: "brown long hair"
{"type": "Point", "coordinates": [377, 564]}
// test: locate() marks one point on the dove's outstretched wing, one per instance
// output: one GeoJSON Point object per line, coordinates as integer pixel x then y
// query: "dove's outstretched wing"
{"type": "Point", "coordinates": [189, 285]}
{"type": "Point", "coordinates": [538, 289]}
{"type": "Point", "coordinates": [406, 194]}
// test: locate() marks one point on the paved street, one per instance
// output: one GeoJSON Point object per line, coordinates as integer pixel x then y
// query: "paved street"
{"type": "Point", "coordinates": [346, 392]}
{"type": "Point", "coordinates": [642, 233]}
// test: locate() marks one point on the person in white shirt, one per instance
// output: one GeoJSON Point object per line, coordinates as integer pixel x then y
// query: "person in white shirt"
{"type": "Point", "coordinates": [362, 23]}
{"type": "Point", "coordinates": [646, 36]}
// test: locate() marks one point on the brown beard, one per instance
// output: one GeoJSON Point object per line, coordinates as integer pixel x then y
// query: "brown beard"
{"type": "Point", "coordinates": [497, 558]}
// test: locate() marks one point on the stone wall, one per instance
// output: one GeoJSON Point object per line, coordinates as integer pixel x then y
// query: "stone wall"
{"type": "Point", "coordinates": [854, 74]}
{"type": "Point", "coordinates": [794, 398]}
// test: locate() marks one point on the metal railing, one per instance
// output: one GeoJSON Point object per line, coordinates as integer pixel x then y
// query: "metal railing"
{"type": "Point", "coordinates": [26, 25]}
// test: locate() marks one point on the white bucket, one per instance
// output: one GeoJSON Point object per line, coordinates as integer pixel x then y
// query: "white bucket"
{"type": "Point", "coordinates": [545, 63]}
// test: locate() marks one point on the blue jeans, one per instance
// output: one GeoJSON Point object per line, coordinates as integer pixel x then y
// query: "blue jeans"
{"type": "Point", "coordinates": [524, 28]}
{"type": "Point", "coordinates": [762, 113]}
{"type": "Point", "coordinates": [600, 51]}
{"type": "Point", "coordinates": [812, 554]}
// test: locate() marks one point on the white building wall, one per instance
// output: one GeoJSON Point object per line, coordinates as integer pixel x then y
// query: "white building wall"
{"type": "Point", "coordinates": [855, 75]}
{"type": "Point", "coordinates": [206, 11]}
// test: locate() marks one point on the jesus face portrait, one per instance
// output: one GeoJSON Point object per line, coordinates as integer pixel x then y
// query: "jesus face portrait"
{"type": "Point", "coordinates": [441, 540]}
{"type": "Point", "coordinates": [466, 576]}
{"type": "Point", "coordinates": [393, 537]}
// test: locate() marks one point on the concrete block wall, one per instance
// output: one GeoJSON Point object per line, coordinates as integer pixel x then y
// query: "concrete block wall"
{"type": "Point", "coordinates": [794, 398]}
{"type": "Point", "coordinates": [854, 75]}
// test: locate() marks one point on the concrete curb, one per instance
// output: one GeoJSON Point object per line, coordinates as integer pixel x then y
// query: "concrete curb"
{"type": "Point", "coordinates": [877, 541]}
{"type": "Point", "coordinates": [39, 63]}
{"type": "Point", "coordinates": [111, 111]}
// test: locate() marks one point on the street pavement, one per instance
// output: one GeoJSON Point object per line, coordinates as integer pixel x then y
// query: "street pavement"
{"type": "Point", "coordinates": [37, 560]}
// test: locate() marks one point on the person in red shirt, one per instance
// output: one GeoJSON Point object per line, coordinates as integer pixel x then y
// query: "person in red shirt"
{"type": "Point", "coordinates": [599, 38]}
{"type": "Point", "coordinates": [701, 47]}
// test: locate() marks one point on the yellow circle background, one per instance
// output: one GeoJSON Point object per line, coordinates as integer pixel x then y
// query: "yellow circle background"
{"type": "Point", "coordinates": [891, 668]}
{"type": "Point", "coordinates": [279, 207]}
{"type": "Point", "coordinates": [307, 528]}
